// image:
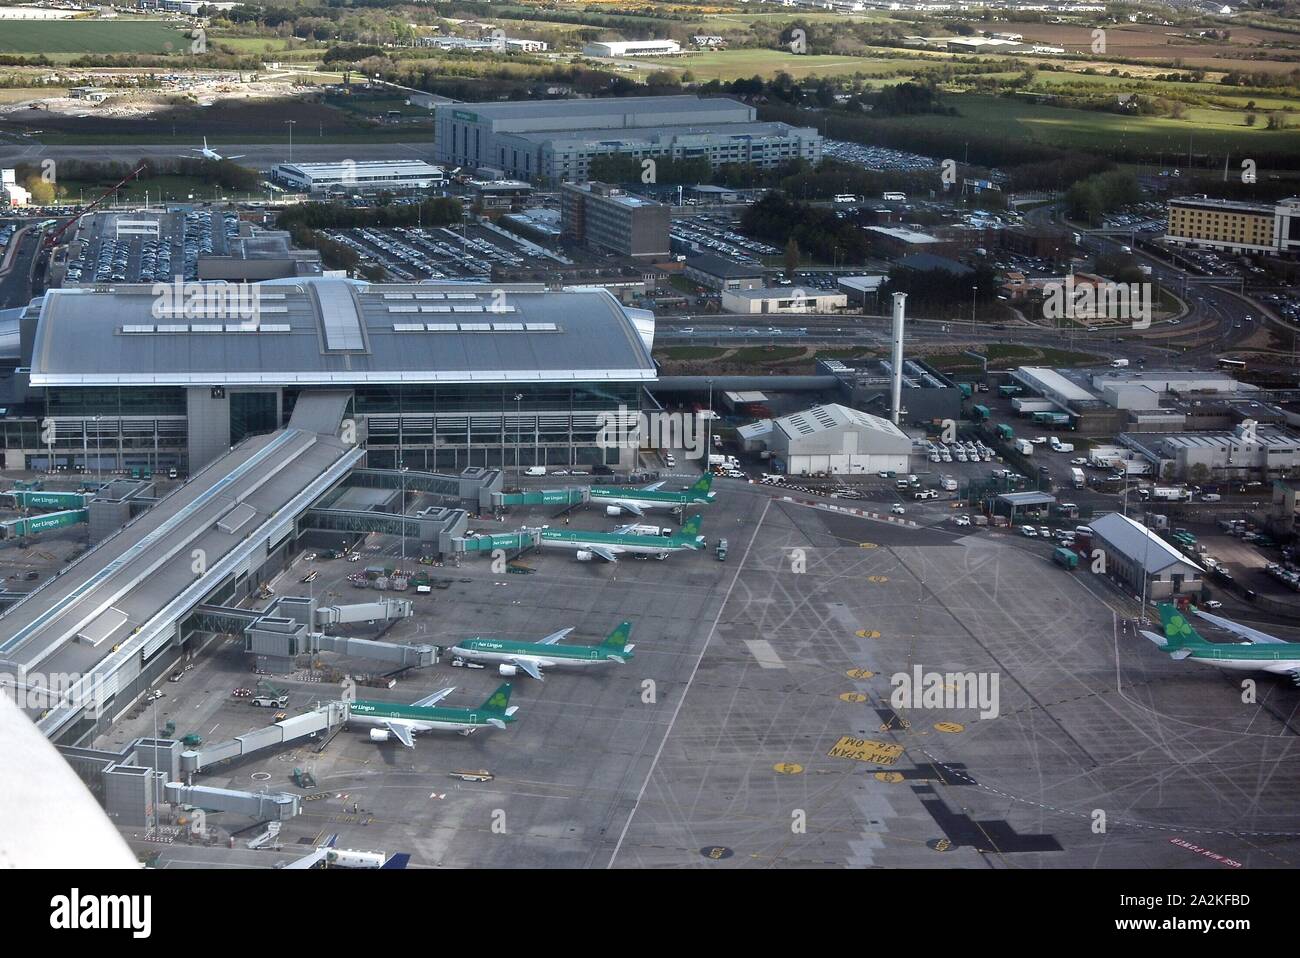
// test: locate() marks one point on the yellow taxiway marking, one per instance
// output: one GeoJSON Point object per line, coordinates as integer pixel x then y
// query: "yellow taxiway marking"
{"type": "Point", "coordinates": [865, 750]}
{"type": "Point", "coordinates": [877, 578]}
{"type": "Point", "coordinates": [949, 727]}
{"type": "Point", "coordinates": [852, 697]}
{"type": "Point", "coordinates": [893, 778]}
{"type": "Point", "coordinates": [788, 768]}
{"type": "Point", "coordinates": [860, 673]}
{"type": "Point", "coordinates": [867, 545]}
{"type": "Point", "coordinates": [867, 634]}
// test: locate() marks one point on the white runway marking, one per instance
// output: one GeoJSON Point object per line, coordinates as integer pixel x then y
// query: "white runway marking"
{"type": "Point", "coordinates": [766, 655]}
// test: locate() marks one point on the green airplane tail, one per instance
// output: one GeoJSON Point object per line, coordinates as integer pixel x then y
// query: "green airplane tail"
{"type": "Point", "coordinates": [498, 701]}
{"type": "Point", "coordinates": [691, 527]}
{"type": "Point", "coordinates": [616, 641]}
{"type": "Point", "coordinates": [702, 484]}
{"type": "Point", "coordinates": [1179, 633]}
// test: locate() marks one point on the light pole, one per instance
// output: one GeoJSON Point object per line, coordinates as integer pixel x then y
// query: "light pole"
{"type": "Point", "coordinates": [973, 290]}
{"type": "Point", "coordinates": [403, 471]}
{"type": "Point", "coordinates": [289, 124]}
{"type": "Point", "coordinates": [518, 398]}
{"type": "Point", "coordinates": [708, 439]}
{"type": "Point", "coordinates": [98, 453]}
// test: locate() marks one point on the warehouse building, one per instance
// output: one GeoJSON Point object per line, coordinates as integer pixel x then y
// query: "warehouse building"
{"type": "Point", "coordinates": [556, 140]}
{"type": "Point", "coordinates": [837, 440]}
{"type": "Point", "coordinates": [359, 176]}
{"type": "Point", "coordinates": [717, 272]}
{"type": "Point", "coordinates": [633, 48]}
{"type": "Point", "coordinates": [1247, 452]}
{"type": "Point", "coordinates": [603, 217]}
{"type": "Point", "coordinates": [1143, 562]}
{"type": "Point", "coordinates": [926, 393]}
{"type": "Point", "coordinates": [439, 377]}
{"type": "Point", "coordinates": [764, 300]}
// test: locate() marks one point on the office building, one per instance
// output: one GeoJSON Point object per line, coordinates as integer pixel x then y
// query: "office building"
{"type": "Point", "coordinates": [604, 217]}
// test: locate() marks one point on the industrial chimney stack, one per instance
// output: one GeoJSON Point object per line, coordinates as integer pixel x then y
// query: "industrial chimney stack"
{"type": "Point", "coordinates": [897, 391]}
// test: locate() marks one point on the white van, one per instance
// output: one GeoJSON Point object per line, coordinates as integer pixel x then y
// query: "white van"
{"type": "Point", "coordinates": [535, 471]}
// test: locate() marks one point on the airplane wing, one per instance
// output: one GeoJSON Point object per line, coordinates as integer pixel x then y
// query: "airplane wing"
{"type": "Point", "coordinates": [433, 699]}
{"type": "Point", "coordinates": [555, 636]}
{"type": "Point", "coordinates": [631, 507]}
{"type": "Point", "coordinates": [308, 861]}
{"type": "Point", "coordinates": [654, 486]}
{"type": "Point", "coordinates": [237, 156]}
{"type": "Point", "coordinates": [1254, 636]}
{"type": "Point", "coordinates": [401, 732]}
{"type": "Point", "coordinates": [604, 552]}
{"type": "Point", "coordinates": [397, 861]}
{"type": "Point", "coordinates": [529, 666]}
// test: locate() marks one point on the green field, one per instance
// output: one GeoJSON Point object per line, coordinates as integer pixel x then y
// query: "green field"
{"type": "Point", "coordinates": [734, 64]}
{"type": "Point", "coordinates": [91, 36]}
{"type": "Point", "coordinates": [160, 188]}
{"type": "Point", "coordinates": [1205, 131]}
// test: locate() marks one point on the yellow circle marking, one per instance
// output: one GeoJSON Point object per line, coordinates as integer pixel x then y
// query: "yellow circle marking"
{"type": "Point", "coordinates": [877, 578]}
{"type": "Point", "coordinates": [852, 697]}
{"type": "Point", "coordinates": [893, 778]}
{"type": "Point", "coordinates": [866, 545]}
{"type": "Point", "coordinates": [949, 727]}
{"type": "Point", "coordinates": [867, 634]}
{"type": "Point", "coordinates": [894, 726]}
{"type": "Point", "coordinates": [860, 673]}
{"type": "Point", "coordinates": [787, 768]}
{"type": "Point", "coordinates": [942, 845]}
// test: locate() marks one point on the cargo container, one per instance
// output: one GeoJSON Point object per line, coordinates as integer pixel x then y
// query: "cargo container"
{"type": "Point", "coordinates": [1006, 392]}
{"type": "Point", "coordinates": [1006, 432]}
{"type": "Point", "coordinates": [1065, 558]}
{"type": "Point", "coordinates": [980, 413]}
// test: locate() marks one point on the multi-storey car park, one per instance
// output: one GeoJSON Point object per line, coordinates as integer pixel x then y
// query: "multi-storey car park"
{"type": "Point", "coordinates": [441, 376]}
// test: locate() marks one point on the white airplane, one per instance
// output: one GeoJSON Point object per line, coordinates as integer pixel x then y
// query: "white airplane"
{"type": "Point", "coordinates": [327, 856]}
{"type": "Point", "coordinates": [210, 154]}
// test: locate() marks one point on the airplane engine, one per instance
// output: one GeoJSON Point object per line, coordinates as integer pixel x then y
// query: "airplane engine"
{"type": "Point", "coordinates": [583, 555]}
{"type": "Point", "coordinates": [508, 669]}
{"type": "Point", "coordinates": [613, 511]}
{"type": "Point", "coordinates": [379, 735]}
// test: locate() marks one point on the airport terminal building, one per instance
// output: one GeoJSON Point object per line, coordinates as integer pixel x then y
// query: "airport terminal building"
{"type": "Point", "coordinates": [556, 140]}
{"type": "Point", "coordinates": [438, 376]}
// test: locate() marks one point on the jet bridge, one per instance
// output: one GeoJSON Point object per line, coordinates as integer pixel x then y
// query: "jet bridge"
{"type": "Point", "coordinates": [263, 806]}
{"type": "Point", "coordinates": [321, 719]}
{"type": "Point", "coordinates": [524, 539]}
{"type": "Point", "coordinates": [572, 496]}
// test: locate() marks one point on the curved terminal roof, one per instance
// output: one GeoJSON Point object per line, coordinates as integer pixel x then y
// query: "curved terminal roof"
{"type": "Point", "coordinates": [323, 331]}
